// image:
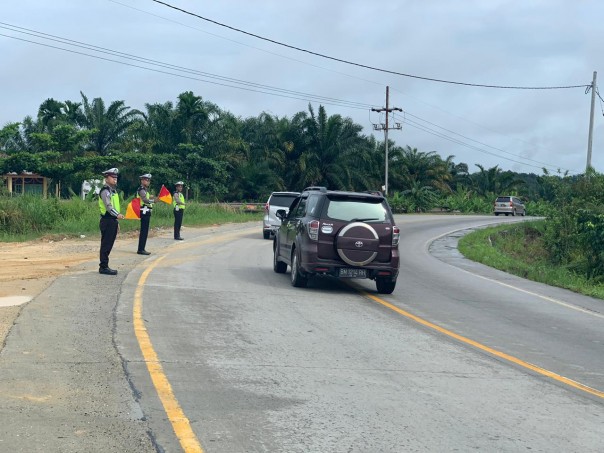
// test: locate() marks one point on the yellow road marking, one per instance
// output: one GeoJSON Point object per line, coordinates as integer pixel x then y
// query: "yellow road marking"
{"type": "Point", "coordinates": [180, 423]}
{"type": "Point", "coordinates": [502, 355]}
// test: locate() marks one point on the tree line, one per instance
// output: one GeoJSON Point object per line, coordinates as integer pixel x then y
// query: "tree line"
{"type": "Point", "coordinates": [224, 157]}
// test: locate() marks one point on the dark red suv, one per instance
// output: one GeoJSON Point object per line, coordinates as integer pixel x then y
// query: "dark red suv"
{"type": "Point", "coordinates": [341, 234]}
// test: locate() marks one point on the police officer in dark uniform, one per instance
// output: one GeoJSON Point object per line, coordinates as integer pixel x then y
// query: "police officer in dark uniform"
{"type": "Point", "coordinates": [146, 209]}
{"type": "Point", "coordinates": [109, 205]}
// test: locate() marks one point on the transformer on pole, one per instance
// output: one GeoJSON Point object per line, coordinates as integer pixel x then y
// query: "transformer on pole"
{"type": "Point", "coordinates": [385, 128]}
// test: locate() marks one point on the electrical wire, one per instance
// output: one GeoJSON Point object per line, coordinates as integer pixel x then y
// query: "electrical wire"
{"type": "Point", "coordinates": [260, 88]}
{"type": "Point", "coordinates": [436, 133]}
{"type": "Point", "coordinates": [323, 68]}
{"type": "Point", "coordinates": [255, 87]}
{"type": "Point", "coordinates": [246, 45]}
{"type": "Point", "coordinates": [340, 60]}
{"type": "Point", "coordinates": [476, 141]}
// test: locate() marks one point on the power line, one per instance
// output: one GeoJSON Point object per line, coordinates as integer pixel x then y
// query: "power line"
{"type": "Point", "coordinates": [428, 130]}
{"type": "Point", "coordinates": [255, 87]}
{"type": "Point", "coordinates": [337, 72]}
{"type": "Point", "coordinates": [430, 79]}
{"type": "Point", "coordinates": [244, 44]}
{"type": "Point", "coordinates": [476, 141]}
{"type": "Point", "coordinates": [322, 68]}
{"type": "Point", "coordinates": [258, 88]}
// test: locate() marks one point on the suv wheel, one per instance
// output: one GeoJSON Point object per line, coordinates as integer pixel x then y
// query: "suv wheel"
{"type": "Point", "coordinates": [298, 280]}
{"type": "Point", "coordinates": [267, 234]}
{"type": "Point", "coordinates": [278, 266]}
{"type": "Point", "coordinates": [385, 285]}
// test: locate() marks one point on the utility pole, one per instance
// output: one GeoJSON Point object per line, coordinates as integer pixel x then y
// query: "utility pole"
{"type": "Point", "coordinates": [385, 128]}
{"type": "Point", "coordinates": [591, 122]}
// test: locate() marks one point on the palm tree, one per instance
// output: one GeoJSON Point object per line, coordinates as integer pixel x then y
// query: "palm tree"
{"type": "Point", "coordinates": [191, 115]}
{"type": "Point", "coordinates": [420, 198]}
{"type": "Point", "coordinates": [109, 124]}
{"type": "Point", "coordinates": [50, 113]}
{"type": "Point", "coordinates": [335, 153]}
{"type": "Point", "coordinates": [494, 181]}
{"type": "Point", "coordinates": [157, 131]}
{"type": "Point", "coordinates": [410, 166]}
{"type": "Point", "coordinates": [72, 113]}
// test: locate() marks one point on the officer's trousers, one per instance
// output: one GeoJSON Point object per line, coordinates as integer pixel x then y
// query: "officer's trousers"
{"type": "Point", "coordinates": [144, 232]}
{"type": "Point", "coordinates": [177, 222]}
{"type": "Point", "coordinates": [108, 227]}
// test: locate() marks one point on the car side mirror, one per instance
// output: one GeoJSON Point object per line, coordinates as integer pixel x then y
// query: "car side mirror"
{"type": "Point", "coordinates": [281, 214]}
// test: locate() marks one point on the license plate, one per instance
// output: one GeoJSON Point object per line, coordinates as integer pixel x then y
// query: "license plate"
{"type": "Point", "coordinates": [352, 273]}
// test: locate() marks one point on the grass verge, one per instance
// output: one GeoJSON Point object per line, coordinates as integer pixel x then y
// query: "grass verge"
{"type": "Point", "coordinates": [518, 249]}
{"type": "Point", "coordinates": [27, 218]}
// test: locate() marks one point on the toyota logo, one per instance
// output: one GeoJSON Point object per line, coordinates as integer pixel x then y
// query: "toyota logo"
{"type": "Point", "coordinates": [358, 244]}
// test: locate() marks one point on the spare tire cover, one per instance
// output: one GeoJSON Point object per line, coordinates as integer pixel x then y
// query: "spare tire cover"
{"type": "Point", "coordinates": [357, 244]}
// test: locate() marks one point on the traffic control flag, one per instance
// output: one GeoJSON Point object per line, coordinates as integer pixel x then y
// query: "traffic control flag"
{"type": "Point", "coordinates": [165, 195]}
{"type": "Point", "coordinates": [133, 211]}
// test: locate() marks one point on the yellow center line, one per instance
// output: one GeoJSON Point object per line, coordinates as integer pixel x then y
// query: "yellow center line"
{"type": "Point", "coordinates": [180, 423]}
{"type": "Point", "coordinates": [502, 355]}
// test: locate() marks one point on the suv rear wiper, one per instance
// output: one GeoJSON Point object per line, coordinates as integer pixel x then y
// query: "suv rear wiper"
{"type": "Point", "coordinates": [364, 220]}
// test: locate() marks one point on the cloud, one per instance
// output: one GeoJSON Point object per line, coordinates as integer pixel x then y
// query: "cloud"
{"type": "Point", "coordinates": [538, 43]}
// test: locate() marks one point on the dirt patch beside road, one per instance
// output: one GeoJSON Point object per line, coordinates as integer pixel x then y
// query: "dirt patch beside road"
{"type": "Point", "coordinates": [28, 268]}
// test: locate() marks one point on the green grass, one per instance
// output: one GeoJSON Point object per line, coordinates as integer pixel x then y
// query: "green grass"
{"type": "Point", "coordinates": [26, 218]}
{"type": "Point", "coordinates": [518, 249]}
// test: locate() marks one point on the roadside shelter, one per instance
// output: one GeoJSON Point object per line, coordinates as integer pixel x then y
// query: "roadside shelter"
{"type": "Point", "coordinates": [26, 183]}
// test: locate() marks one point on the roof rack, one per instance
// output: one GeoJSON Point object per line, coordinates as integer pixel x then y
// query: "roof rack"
{"type": "Point", "coordinates": [374, 192]}
{"type": "Point", "coordinates": [318, 188]}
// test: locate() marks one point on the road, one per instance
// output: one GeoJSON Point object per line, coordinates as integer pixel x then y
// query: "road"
{"type": "Point", "coordinates": [206, 348]}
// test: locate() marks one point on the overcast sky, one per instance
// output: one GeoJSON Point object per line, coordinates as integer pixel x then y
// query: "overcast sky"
{"type": "Point", "coordinates": [541, 43]}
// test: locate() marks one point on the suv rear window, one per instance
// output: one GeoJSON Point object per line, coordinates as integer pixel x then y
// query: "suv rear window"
{"type": "Point", "coordinates": [357, 210]}
{"type": "Point", "coordinates": [501, 199]}
{"type": "Point", "coordinates": [282, 200]}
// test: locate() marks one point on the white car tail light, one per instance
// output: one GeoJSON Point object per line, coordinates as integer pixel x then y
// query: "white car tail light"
{"type": "Point", "coordinates": [396, 235]}
{"type": "Point", "coordinates": [313, 229]}
{"type": "Point", "coordinates": [266, 207]}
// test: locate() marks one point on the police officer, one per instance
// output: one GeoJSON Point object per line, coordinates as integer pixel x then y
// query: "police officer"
{"type": "Point", "coordinates": [178, 202]}
{"type": "Point", "coordinates": [146, 209]}
{"type": "Point", "coordinates": [109, 205]}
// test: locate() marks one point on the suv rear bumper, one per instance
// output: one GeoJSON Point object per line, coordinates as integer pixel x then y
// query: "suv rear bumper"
{"type": "Point", "coordinates": [310, 265]}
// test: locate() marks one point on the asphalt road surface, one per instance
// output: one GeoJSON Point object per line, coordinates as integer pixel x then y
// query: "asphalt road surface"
{"type": "Point", "coordinates": [202, 347]}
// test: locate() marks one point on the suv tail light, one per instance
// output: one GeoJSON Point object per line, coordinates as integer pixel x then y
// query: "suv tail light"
{"type": "Point", "coordinates": [266, 207]}
{"type": "Point", "coordinates": [511, 204]}
{"type": "Point", "coordinates": [396, 235]}
{"type": "Point", "coordinates": [313, 229]}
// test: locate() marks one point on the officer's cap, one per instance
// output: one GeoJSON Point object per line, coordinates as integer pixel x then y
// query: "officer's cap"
{"type": "Point", "coordinates": [111, 172]}
{"type": "Point", "coordinates": [179, 183]}
{"type": "Point", "coordinates": [145, 176]}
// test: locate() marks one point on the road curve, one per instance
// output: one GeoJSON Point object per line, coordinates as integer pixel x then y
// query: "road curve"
{"type": "Point", "coordinates": [254, 364]}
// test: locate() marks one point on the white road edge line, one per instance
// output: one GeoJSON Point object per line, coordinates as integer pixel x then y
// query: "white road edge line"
{"type": "Point", "coordinates": [541, 296]}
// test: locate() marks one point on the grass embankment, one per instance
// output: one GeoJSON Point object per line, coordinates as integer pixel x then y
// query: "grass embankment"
{"type": "Point", "coordinates": [518, 249]}
{"type": "Point", "coordinates": [26, 218]}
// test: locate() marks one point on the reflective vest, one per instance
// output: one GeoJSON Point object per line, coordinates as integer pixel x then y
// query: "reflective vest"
{"type": "Point", "coordinates": [143, 204]}
{"type": "Point", "coordinates": [181, 198]}
{"type": "Point", "coordinates": [115, 200]}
